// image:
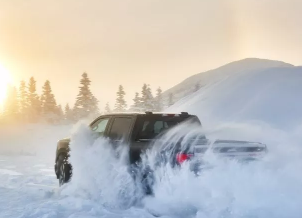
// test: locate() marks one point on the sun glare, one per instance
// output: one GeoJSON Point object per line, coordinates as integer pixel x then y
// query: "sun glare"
{"type": "Point", "coordinates": [4, 81]}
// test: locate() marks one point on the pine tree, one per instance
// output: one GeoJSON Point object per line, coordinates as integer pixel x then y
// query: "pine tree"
{"type": "Point", "coordinates": [34, 107]}
{"type": "Point", "coordinates": [67, 109]}
{"type": "Point", "coordinates": [120, 104]}
{"type": "Point", "coordinates": [137, 105]}
{"type": "Point", "coordinates": [147, 100]}
{"type": "Point", "coordinates": [171, 99]}
{"type": "Point", "coordinates": [23, 100]}
{"type": "Point", "coordinates": [94, 108]}
{"type": "Point", "coordinates": [68, 113]}
{"type": "Point", "coordinates": [107, 108]}
{"type": "Point", "coordinates": [86, 104]}
{"type": "Point", "coordinates": [49, 106]}
{"type": "Point", "coordinates": [158, 101]}
{"type": "Point", "coordinates": [60, 112]}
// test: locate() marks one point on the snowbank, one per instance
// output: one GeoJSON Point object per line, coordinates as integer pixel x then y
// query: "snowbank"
{"type": "Point", "coordinates": [221, 73]}
{"type": "Point", "coordinates": [270, 96]}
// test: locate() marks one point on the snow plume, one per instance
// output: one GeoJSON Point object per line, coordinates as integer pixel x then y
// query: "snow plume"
{"type": "Point", "coordinates": [100, 172]}
{"type": "Point", "coordinates": [260, 189]}
{"type": "Point", "coordinates": [267, 188]}
{"type": "Point", "coordinates": [164, 147]}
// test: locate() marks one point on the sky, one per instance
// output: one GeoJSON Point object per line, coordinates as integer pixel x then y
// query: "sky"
{"type": "Point", "coordinates": [131, 42]}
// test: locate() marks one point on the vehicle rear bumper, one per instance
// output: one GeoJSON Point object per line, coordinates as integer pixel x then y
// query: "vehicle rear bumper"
{"type": "Point", "coordinates": [198, 164]}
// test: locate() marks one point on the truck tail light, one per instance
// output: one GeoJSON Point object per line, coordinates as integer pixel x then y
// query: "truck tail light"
{"type": "Point", "coordinates": [182, 157]}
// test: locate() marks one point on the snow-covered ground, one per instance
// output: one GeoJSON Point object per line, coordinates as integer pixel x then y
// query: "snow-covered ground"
{"type": "Point", "coordinates": [256, 105]}
{"type": "Point", "coordinates": [102, 186]}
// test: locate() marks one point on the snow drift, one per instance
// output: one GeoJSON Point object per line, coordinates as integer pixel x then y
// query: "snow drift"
{"type": "Point", "coordinates": [216, 75]}
{"type": "Point", "coordinates": [270, 96]}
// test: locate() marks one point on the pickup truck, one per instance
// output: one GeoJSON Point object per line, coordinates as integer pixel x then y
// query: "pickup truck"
{"type": "Point", "coordinates": [140, 130]}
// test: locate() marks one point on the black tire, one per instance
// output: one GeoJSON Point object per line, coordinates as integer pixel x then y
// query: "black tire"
{"type": "Point", "coordinates": [64, 170]}
{"type": "Point", "coordinates": [144, 176]}
{"type": "Point", "coordinates": [148, 182]}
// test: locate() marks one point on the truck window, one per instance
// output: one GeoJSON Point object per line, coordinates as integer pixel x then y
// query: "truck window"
{"type": "Point", "coordinates": [159, 126]}
{"type": "Point", "coordinates": [120, 128]}
{"type": "Point", "coordinates": [152, 126]}
{"type": "Point", "coordinates": [100, 126]}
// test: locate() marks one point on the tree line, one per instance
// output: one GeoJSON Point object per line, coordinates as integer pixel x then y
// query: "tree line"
{"type": "Point", "coordinates": [26, 105]}
{"type": "Point", "coordinates": [143, 101]}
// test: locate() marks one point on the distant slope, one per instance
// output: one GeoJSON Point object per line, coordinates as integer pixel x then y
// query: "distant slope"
{"type": "Point", "coordinates": [271, 94]}
{"type": "Point", "coordinates": [212, 76]}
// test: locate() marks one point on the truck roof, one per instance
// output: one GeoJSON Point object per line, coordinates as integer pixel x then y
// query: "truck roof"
{"type": "Point", "coordinates": [150, 113]}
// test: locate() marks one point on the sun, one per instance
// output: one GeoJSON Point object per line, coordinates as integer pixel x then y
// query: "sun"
{"type": "Point", "coordinates": [5, 79]}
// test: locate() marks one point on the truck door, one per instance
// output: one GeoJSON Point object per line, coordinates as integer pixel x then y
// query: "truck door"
{"type": "Point", "coordinates": [120, 129]}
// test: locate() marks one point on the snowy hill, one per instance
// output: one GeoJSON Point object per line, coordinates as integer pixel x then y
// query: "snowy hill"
{"type": "Point", "coordinates": [247, 90]}
{"type": "Point", "coordinates": [246, 65]}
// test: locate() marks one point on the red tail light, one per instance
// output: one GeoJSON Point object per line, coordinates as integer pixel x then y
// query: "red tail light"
{"type": "Point", "coordinates": [181, 157]}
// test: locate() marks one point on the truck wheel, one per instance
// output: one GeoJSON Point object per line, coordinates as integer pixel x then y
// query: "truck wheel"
{"type": "Point", "coordinates": [144, 176]}
{"type": "Point", "coordinates": [148, 182]}
{"type": "Point", "coordinates": [65, 170]}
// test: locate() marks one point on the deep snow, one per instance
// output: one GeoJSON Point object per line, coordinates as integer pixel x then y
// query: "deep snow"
{"type": "Point", "coordinates": [270, 97]}
{"type": "Point", "coordinates": [102, 186]}
{"type": "Point", "coordinates": [256, 105]}
{"type": "Point", "coordinates": [213, 76]}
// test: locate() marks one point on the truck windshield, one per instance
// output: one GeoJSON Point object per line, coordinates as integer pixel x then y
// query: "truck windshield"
{"type": "Point", "coordinates": [151, 126]}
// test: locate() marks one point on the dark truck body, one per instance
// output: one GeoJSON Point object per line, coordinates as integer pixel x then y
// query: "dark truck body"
{"type": "Point", "coordinates": [130, 125]}
{"type": "Point", "coordinates": [139, 130]}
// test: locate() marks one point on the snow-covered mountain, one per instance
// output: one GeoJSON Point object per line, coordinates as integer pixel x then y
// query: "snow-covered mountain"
{"type": "Point", "coordinates": [246, 90]}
